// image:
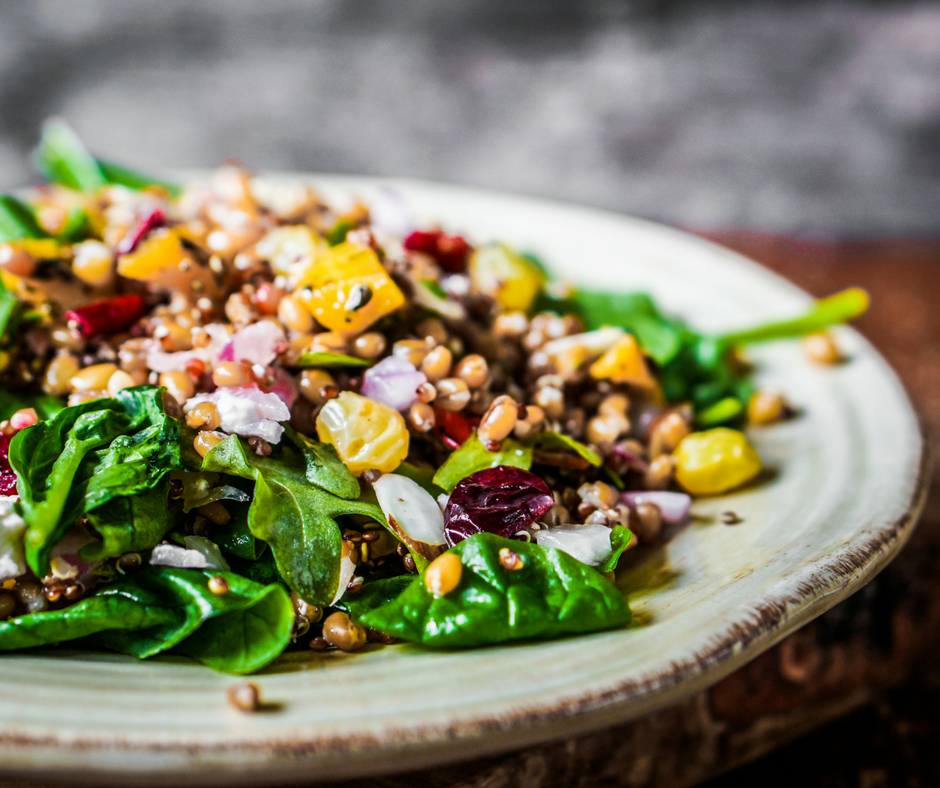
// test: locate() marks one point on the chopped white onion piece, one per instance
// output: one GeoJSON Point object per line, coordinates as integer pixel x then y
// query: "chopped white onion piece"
{"type": "Point", "coordinates": [407, 504]}
{"type": "Point", "coordinates": [199, 553]}
{"type": "Point", "coordinates": [209, 549]}
{"type": "Point", "coordinates": [246, 411]}
{"type": "Point", "coordinates": [346, 571]}
{"type": "Point", "coordinates": [590, 544]}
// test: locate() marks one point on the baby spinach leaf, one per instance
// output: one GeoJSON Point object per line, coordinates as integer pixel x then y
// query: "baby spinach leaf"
{"type": "Point", "coordinates": [473, 456]}
{"type": "Point", "coordinates": [375, 594]}
{"type": "Point", "coordinates": [130, 523]}
{"type": "Point", "coordinates": [324, 467]}
{"type": "Point", "coordinates": [331, 360]}
{"type": "Point", "coordinates": [45, 405]}
{"type": "Point", "coordinates": [158, 608]}
{"type": "Point", "coordinates": [235, 537]}
{"type": "Point", "coordinates": [552, 594]}
{"type": "Point", "coordinates": [84, 457]}
{"type": "Point", "coordinates": [296, 518]}
{"type": "Point", "coordinates": [62, 158]}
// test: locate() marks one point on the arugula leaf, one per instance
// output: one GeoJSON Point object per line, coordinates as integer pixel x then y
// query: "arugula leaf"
{"type": "Point", "coordinates": [158, 608]}
{"type": "Point", "coordinates": [332, 360]}
{"type": "Point", "coordinates": [549, 439]}
{"type": "Point", "coordinates": [324, 467]}
{"type": "Point", "coordinates": [84, 457]}
{"type": "Point", "coordinates": [552, 594]}
{"type": "Point", "coordinates": [62, 158]}
{"type": "Point", "coordinates": [295, 517]}
{"type": "Point", "coordinates": [473, 456]}
{"type": "Point", "coordinates": [620, 539]}
{"type": "Point", "coordinates": [138, 181]}
{"type": "Point", "coordinates": [17, 220]}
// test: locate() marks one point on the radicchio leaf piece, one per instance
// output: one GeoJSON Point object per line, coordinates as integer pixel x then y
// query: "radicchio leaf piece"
{"type": "Point", "coordinates": [501, 500]}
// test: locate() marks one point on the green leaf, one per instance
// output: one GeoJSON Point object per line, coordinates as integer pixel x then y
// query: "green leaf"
{"type": "Point", "coordinates": [433, 287]}
{"type": "Point", "coordinates": [77, 225]}
{"type": "Point", "coordinates": [620, 539]}
{"type": "Point", "coordinates": [158, 608]}
{"type": "Point", "coordinates": [45, 405]}
{"type": "Point", "coordinates": [338, 232]}
{"type": "Point", "coordinates": [375, 594]}
{"type": "Point", "coordinates": [552, 594]}
{"type": "Point", "coordinates": [235, 537]}
{"type": "Point", "coordinates": [555, 441]}
{"type": "Point", "coordinates": [473, 456]}
{"type": "Point", "coordinates": [723, 411]}
{"type": "Point", "coordinates": [17, 220]}
{"type": "Point", "coordinates": [838, 308]}
{"type": "Point", "coordinates": [324, 467]}
{"type": "Point", "coordinates": [62, 158]}
{"type": "Point", "coordinates": [125, 176]}
{"type": "Point", "coordinates": [331, 360]}
{"type": "Point", "coordinates": [84, 457]}
{"type": "Point", "coordinates": [131, 523]}
{"type": "Point", "coordinates": [296, 518]}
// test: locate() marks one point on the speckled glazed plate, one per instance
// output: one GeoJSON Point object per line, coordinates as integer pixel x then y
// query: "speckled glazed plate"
{"type": "Point", "coordinates": [846, 483]}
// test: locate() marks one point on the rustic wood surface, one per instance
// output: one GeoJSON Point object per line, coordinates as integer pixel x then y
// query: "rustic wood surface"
{"type": "Point", "coordinates": [868, 667]}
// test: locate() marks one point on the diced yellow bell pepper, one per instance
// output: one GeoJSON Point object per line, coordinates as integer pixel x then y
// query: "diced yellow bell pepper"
{"type": "Point", "coordinates": [42, 248]}
{"type": "Point", "coordinates": [291, 250]}
{"type": "Point", "coordinates": [161, 259]}
{"type": "Point", "coordinates": [715, 461]}
{"type": "Point", "coordinates": [347, 289]}
{"type": "Point", "coordinates": [624, 363]}
{"type": "Point", "coordinates": [506, 275]}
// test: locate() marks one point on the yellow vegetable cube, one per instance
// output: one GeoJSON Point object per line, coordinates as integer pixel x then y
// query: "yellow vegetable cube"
{"type": "Point", "coordinates": [624, 363]}
{"type": "Point", "coordinates": [365, 433]}
{"type": "Point", "coordinates": [292, 250]}
{"type": "Point", "coordinates": [347, 289]}
{"type": "Point", "coordinates": [161, 259]}
{"type": "Point", "coordinates": [506, 275]}
{"type": "Point", "coordinates": [715, 461]}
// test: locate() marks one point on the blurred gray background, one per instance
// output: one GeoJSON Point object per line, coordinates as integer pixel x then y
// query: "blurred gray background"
{"type": "Point", "coordinates": [818, 119]}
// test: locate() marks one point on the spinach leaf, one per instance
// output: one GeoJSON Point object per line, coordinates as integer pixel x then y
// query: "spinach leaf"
{"type": "Point", "coordinates": [158, 608]}
{"type": "Point", "coordinates": [324, 467]}
{"type": "Point", "coordinates": [473, 456]}
{"type": "Point", "coordinates": [332, 360]}
{"type": "Point", "coordinates": [620, 539]}
{"type": "Point", "coordinates": [552, 594]}
{"type": "Point", "coordinates": [45, 405]}
{"type": "Point", "coordinates": [295, 517]}
{"type": "Point", "coordinates": [86, 456]}
{"type": "Point", "coordinates": [130, 523]}
{"type": "Point", "coordinates": [235, 537]}
{"type": "Point", "coordinates": [375, 594]}
{"type": "Point", "coordinates": [17, 220]}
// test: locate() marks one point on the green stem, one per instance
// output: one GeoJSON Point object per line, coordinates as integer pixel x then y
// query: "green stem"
{"type": "Point", "coordinates": [838, 308]}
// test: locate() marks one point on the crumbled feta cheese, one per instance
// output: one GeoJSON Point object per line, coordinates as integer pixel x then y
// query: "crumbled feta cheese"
{"type": "Point", "coordinates": [12, 531]}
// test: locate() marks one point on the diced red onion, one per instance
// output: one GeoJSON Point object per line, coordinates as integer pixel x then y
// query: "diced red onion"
{"type": "Point", "coordinates": [160, 361]}
{"type": "Point", "coordinates": [393, 381]}
{"type": "Point", "coordinates": [590, 544]}
{"type": "Point", "coordinates": [407, 504]}
{"type": "Point", "coordinates": [674, 506]}
{"type": "Point", "coordinates": [259, 343]}
{"type": "Point", "coordinates": [246, 411]}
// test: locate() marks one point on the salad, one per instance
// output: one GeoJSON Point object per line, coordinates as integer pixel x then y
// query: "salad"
{"type": "Point", "coordinates": [237, 420]}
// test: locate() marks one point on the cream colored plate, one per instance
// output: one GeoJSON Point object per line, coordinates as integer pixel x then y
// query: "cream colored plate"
{"type": "Point", "coordinates": [847, 483]}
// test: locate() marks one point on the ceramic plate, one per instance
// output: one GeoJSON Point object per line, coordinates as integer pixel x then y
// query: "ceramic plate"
{"type": "Point", "coordinates": [846, 482]}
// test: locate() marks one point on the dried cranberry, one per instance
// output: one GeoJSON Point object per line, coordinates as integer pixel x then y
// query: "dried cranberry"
{"type": "Point", "coordinates": [451, 252]}
{"type": "Point", "coordinates": [109, 316]}
{"type": "Point", "coordinates": [149, 219]}
{"type": "Point", "coordinates": [7, 474]}
{"type": "Point", "coordinates": [501, 500]}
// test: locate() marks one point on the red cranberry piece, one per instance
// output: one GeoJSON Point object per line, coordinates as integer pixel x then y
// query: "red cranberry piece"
{"type": "Point", "coordinates": [451, 252]}
{"type": "Point", "coordinates": [501, 500]}
{"type": "Point", "coordinates": [454, 428]}
{"type": "Point", "coordinates": [149, 219]}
